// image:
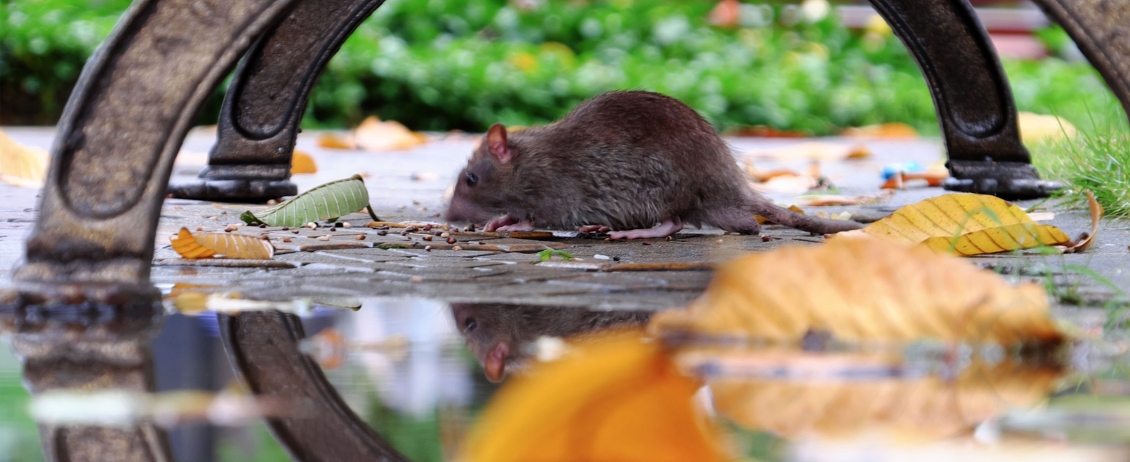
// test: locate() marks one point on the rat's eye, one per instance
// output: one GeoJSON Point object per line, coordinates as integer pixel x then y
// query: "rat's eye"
{"type": "Point", "coordinates": [472, 179]}
{"type": "Point", "coordinates": [469, 325]}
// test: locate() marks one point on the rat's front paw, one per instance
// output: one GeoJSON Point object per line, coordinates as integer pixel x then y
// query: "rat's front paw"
{"type": "Point", "coordinates": [593, 229]}
{"type": "Point", "coordinates": [500, 222]}
{"type": "Point", "coordinates": [519, 226]}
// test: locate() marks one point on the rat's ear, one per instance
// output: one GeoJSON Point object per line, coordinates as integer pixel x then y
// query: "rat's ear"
{"type": "Point", "coordinates": [494, 365]}
{"type": "Point", "coordinates": [496, 142]}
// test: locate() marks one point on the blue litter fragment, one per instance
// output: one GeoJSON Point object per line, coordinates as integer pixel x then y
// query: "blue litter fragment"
{"type": "Point", "coordinates": [890, 170]}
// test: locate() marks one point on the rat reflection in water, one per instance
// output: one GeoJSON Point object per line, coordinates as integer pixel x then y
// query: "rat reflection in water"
{"type": "Point", "coordinates": [496, 333]}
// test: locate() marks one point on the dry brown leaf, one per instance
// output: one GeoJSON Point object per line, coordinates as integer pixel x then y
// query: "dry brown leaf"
{"type": "Point", "coordinates": [377, 136]}
{"type": "Point", "coordinates": [301, 162]}
{"type": "Point", "coordinates": [863, 289]}
{"type": "Point", "coordinates": [612, 397]}
{"type": "Point", "coordinates": [1035, 128]}
{"type": "Point", "coordinates": [207, 245]}
{"type": "Point", "coordinates": [818, 150]}
{"type": "Point", "coordinates": [336, 141]}
{"type": "Point", "coordinates": [20, 165]}
{"type": "Point", "coordinates": [965, 224]}
{"type": "Point", "coordinates": [1084, 242]}
{"type": "Point", "coordinates": [840, 395]}
{"type": "Point", "coordinates": [894, 130]}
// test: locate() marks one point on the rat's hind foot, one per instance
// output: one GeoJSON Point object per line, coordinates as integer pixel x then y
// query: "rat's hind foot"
{"type": "Point", "coordinates": [519, 226]}
{"type": "Point", "coordinates": [664, 229]}
{"type": "Point", "coordinates": [593, 229]}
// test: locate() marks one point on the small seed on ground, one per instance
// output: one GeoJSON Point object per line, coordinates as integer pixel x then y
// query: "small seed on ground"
{"type": "Point", "coordinates": [427, 227]}
{"type": "Point", "coordinates": [200, 228]}
{"type": "Point", "coordinates": [439, 233]}
{"type": "Point", "coordinates": [286, 228]}
{"type": "Point", "coordinates": [333, 229]}
{"type": "Point", "coordinates": [601, 257]}
{"type": "Point", "coordinates": [223, 212]}
{"type": "Point", "coordinates": [286, 239]}
{"type": "Point", "coordinates": [324, 238]}
{"type": "Point", "coordinates": [311, 225]}
{"type": "Point", "coordinates": [457, 248]}
{"type": "Point", "coordinates": [646, 243]}
{"type": "Point", "coordinates": [382, 233]}
{"type": "Point", "coordinates": [427, 238]}
{"type": "Point", "coordinates": [262, 226]}
{"type": "Point", "coordinates": [346, 225]}
{"type": "Point", "coordinates": [415, 279]}
{"type": "Point", "coordinates": [766, 239]}
{"type": "Point", "coordinates": [450, 240]}
{"type": "Point", "coordinates": [294, 232]}
{"type": "Point", "coordinates": [415, 202]}
{"type": "Point", "coordinates": [446, 227]}
{"type": "Point", "coordinates": [444, 235]}
{"type": "Point", "coordinates": [272, 202]}
{"type": "Point", "coordinates": [669, 239]}
{"type": "Point", "coordinates": [213, 218]}
{"type": "Point", "coordinates": [427, 248]}
{"type": "Point", "coordinates": [436, 215]}
{"type": "Point", "coordinates": [719, 241]}
{"type": "Point", "coordinates": [360, 237]}
{"type": "Point", "coordinates": [615, 258]}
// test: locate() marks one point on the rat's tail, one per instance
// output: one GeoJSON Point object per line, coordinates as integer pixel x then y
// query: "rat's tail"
{"type": "Point", "coordinates": [783, 216]}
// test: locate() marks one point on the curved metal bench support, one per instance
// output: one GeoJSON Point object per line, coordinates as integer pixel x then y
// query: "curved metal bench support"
{"type": "Point", "coordinates": [121, 129]}
{"type": "Point", "coordinates": [971, 95]}
{"type": "Point", "coordinates": [259, 120]}
{"type": "Point", "coordinates": [1101, 30]}
{"type": "Point", "coordinates": [263, 348]}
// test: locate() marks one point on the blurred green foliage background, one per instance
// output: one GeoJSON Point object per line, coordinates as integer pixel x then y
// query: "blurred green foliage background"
{"type": "Point", "coordinates": [464, 64]}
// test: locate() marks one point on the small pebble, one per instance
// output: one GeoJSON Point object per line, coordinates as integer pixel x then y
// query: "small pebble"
{"type": "Point", "coordinates": [360, 237]}
{"type": "Point", "coordinates": [200, 228]}
{"type": "Point", "coordinates": [346, 225]}
{"type": "Point", "coordinates": [457, 248]}
{"type": "Point", "coordinates": [427, 248]}
{"type": "Point", "coordinates": [415, 279]}
{"type": "Point", "coordinates": [324, 238]}
{"type": "Point", "coordinates": [382, 233]}
{"type": "Point", "coordinates": [601, 257]}
{"type": "Point", "coordinates": [450, 240]}
{"type": "Point", "coordinates": [286, 239]}
{"type": "Point", "coordinates": [428, 237]}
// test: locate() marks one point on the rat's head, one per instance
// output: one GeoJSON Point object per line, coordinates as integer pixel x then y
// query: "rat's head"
{"type": "Point", "coordinates": [485, 329]}
{"type": "Point", "coordinates": [481, 188]}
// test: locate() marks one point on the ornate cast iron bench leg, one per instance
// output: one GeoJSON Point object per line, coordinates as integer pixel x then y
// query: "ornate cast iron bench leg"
{"type": "Point", "coordinates": [263, 348]}
{"type": "Point", "coordinates": [266, 100]}
{"type": "Point", "coordinates": [971, 95]}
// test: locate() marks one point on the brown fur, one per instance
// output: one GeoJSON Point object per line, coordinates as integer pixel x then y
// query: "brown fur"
{"type": "Point", "coordinates": [626, 160]}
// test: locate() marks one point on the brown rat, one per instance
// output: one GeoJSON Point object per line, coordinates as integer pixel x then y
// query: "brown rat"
{"type": "Point", "coordinates": [496, 333]}
{"type": "Point", "coordinates": [636, 162]}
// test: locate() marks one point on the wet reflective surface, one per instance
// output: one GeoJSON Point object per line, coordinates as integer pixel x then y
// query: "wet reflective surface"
{"type": "Point", "coordinates": [408, 378]}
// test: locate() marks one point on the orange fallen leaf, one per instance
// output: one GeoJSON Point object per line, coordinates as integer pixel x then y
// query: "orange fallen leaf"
{"type": "Point", "coordinates": [612, 397]}
{"type": "Point", "coordinates": [301, 162]}
{"type": "Point", "coordinates": [762, 176]}
{"type": "Point", "coordinates": [894, 130]}
{"type": "Point", "coordinates": [863, 289]}
{"type": "Point", "coordinates": [207, 245]}
{"type": "Point", "coordinates": [1084, 242]}
{"type": "Point", "coordinates": [336, 141]}
{"type": "Point", "coordinates": [20, 165]}
{"type": "Point", "coordinates": [968, 224]}
{"type": "Point", "coordinates": [377, 136]}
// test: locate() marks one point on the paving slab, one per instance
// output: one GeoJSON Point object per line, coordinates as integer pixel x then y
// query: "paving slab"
{"type": "Point", "coordinates": [497, 268]}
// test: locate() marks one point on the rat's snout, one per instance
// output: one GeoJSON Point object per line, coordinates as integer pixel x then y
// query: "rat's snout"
{"type": "Point", "coordinates": [463, 210]}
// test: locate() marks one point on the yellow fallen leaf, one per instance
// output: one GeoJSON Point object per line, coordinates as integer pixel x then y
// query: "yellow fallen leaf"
{"type": "Point", "coordinates": [863, 289]}
{"type": "Point", "coordinates": [843, 395]}
{"type": "Point", "coordinates": [377, 136]}
{"type": "Point", "coordinates": [1036, 127]}
{"type": "Point", "coordinates": [614, 397]}
{"type": "Point", "coordinates": [894, 130]}
{"type": "Point", "coordinates": [20, 165]}
{"type": "Point", "coordinates": [965, 224]}
{"type": "Point", "coordinates": [301, 162]}
{"type": "Point", "coordinates": [819, 150]}
{"type": "Point", "coordinates": [336, 141]}
{"type": "Point", "coordinates": [229, 245]}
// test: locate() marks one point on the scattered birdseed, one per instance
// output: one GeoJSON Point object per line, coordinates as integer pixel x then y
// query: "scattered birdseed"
{"type": "Point", "coordinates": [360, 237]}
{"type": "Point", "coordinates": [451, 240]}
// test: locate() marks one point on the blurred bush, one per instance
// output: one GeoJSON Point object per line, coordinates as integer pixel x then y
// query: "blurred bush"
{"type": "Point", "coordinates": [444, 64]}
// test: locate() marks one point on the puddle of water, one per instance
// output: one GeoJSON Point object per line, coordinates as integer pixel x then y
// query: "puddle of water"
{"type": "Point", "coordinates": [417, 371]}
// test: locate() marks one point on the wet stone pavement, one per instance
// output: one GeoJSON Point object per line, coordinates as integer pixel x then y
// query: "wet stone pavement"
{"type": "Point", "coordinates": [332, 264]}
